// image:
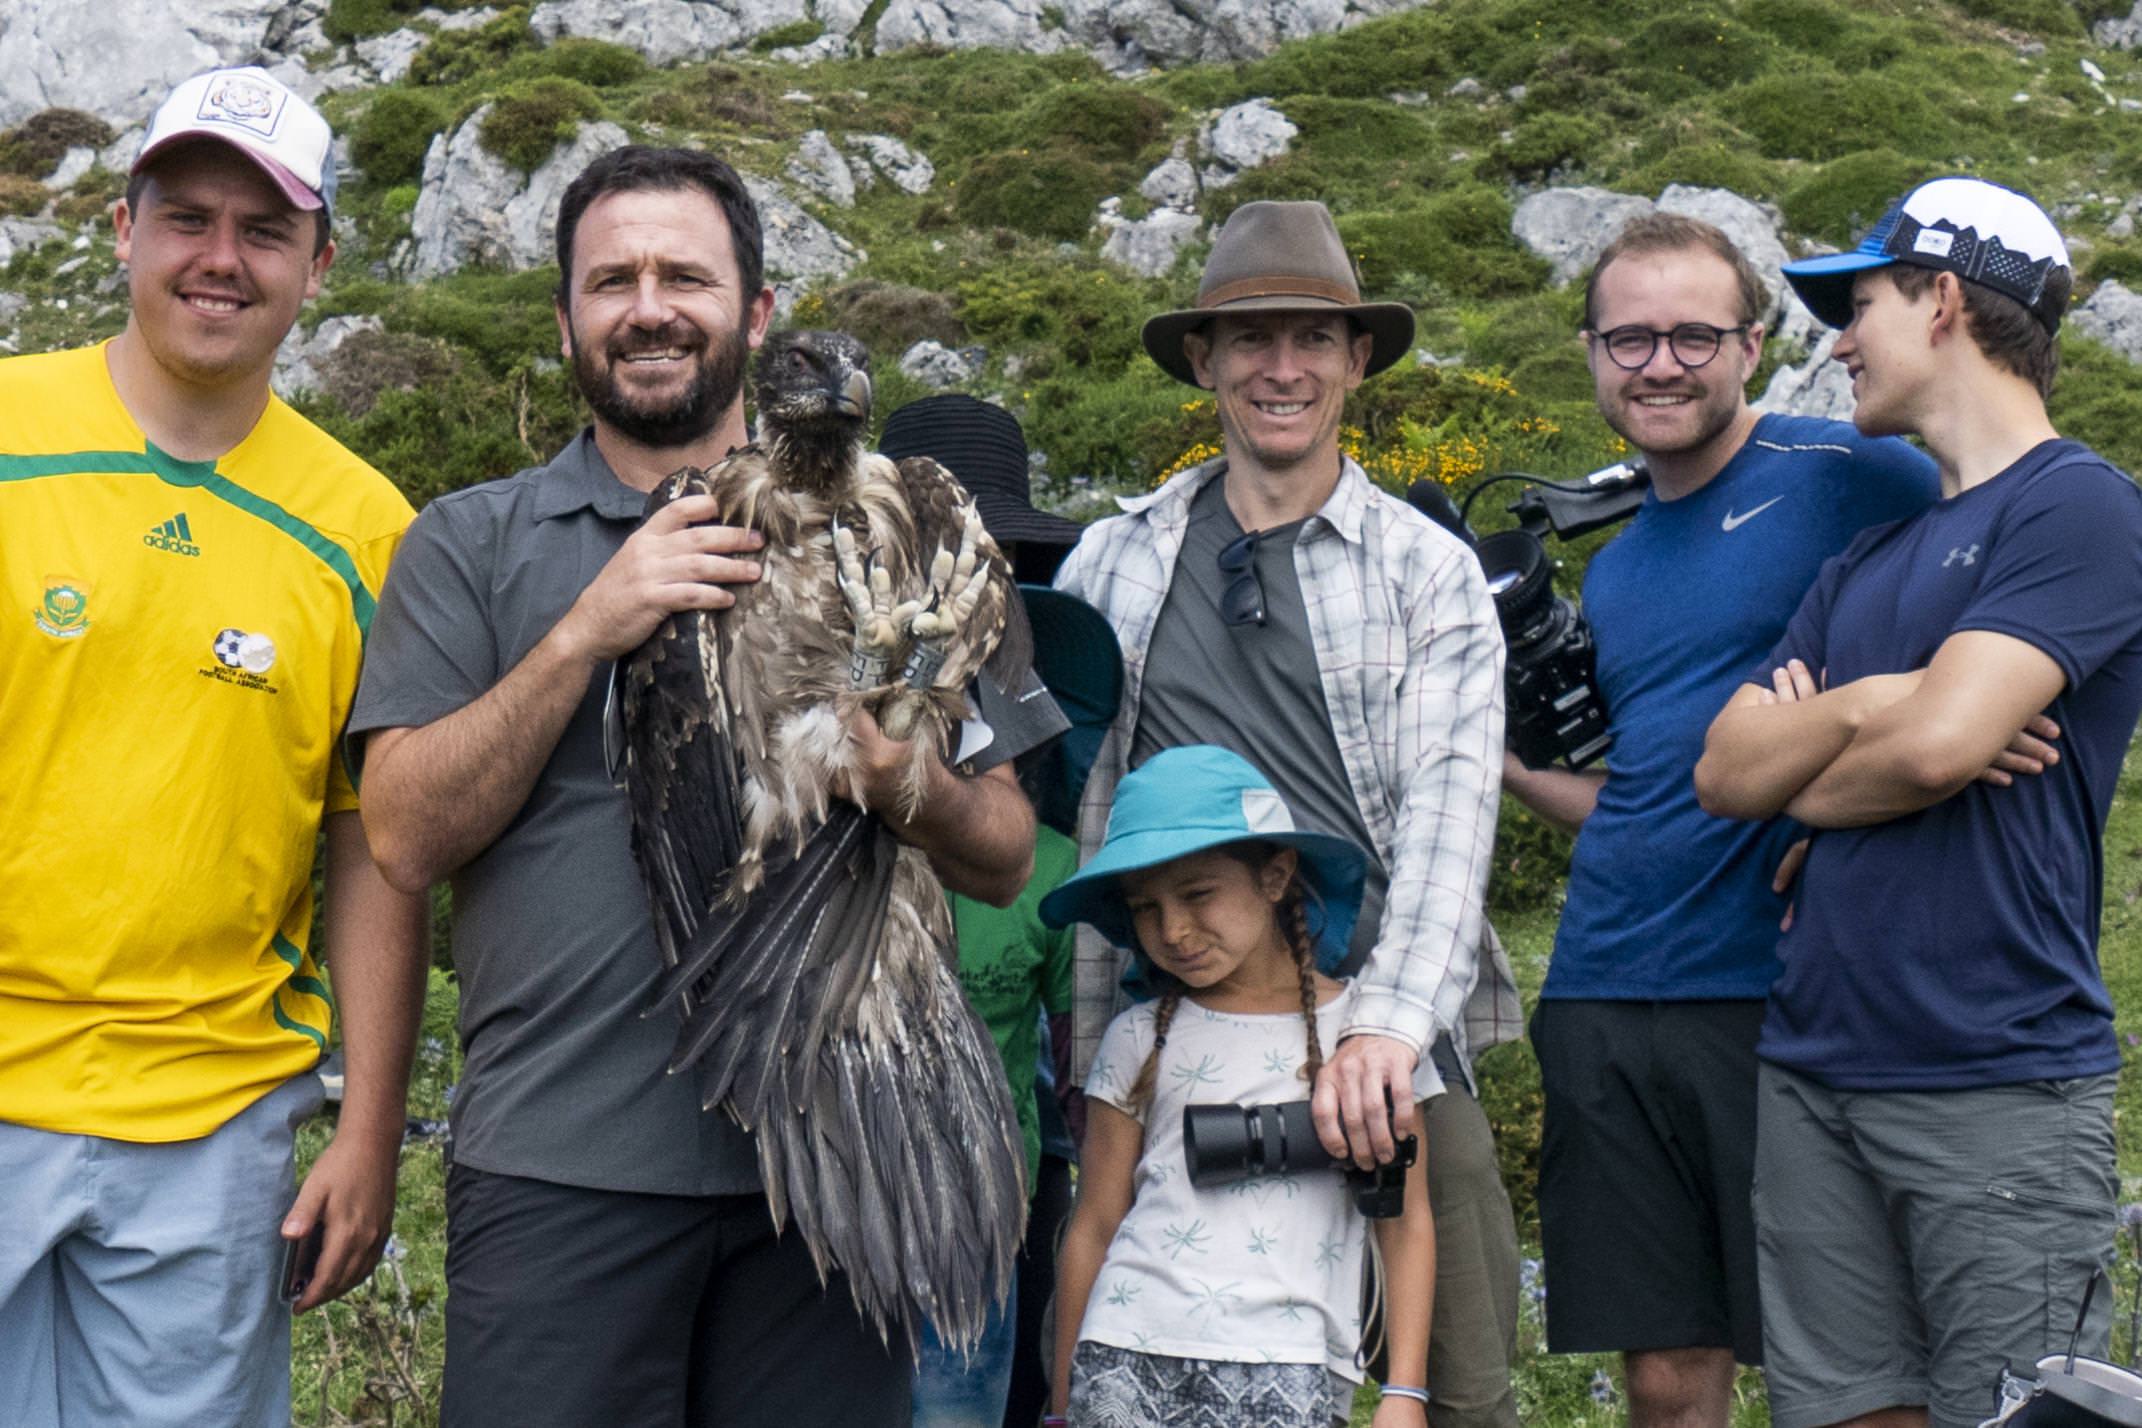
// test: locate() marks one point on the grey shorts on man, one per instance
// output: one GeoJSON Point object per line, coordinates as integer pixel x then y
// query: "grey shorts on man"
{"type": "Point", "coordinates": [1912, 1243]}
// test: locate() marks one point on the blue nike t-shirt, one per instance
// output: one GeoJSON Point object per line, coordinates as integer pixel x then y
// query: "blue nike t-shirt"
{"type": "Point", "coordinates": [1957, 946]}
{"type": "Point", "coordinates": [1666, 902]}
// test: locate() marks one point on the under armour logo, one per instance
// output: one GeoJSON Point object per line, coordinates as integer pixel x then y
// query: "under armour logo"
{"type": "Point", "coordinates": [1958, 555]}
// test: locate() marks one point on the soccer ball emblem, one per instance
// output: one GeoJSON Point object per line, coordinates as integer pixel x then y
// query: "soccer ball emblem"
{"type": "Point", "coordinates": [255, 654]}
{"type": "Point", "coordinates": [227, 642]}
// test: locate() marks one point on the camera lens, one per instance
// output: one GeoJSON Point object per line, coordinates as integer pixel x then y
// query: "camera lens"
{"type": "Point", "coordinates": [1225, 1143]}
{"type": "Point", "coordinates": [1520, 576]}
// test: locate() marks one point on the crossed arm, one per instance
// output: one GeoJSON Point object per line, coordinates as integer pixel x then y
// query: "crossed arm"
{"type": "Point", "coordinates": [1884, 746]}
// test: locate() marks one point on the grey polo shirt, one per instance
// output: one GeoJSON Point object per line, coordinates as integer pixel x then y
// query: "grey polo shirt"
{"type": "Point", "coordinates": [563, 1080]}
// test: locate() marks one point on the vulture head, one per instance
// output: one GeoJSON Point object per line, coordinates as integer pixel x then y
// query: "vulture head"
{"type": "Point", "coordinates": [814, 404]}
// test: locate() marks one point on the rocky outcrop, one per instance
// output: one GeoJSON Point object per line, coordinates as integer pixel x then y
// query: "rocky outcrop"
{"type": "Point", "coordinates": [475, 208]}
{"type": "Point", "coordinates": [2112, 315]}
{"type": "Point", "coordinates": [1251, 133]}
{"type": "Point", "coordinates": [299, 360]}
{"type": "Point", "coordinates": [801, 252]}
{"type": "Point", "coordinates": [969, 25]}
{"type": "Point", "coordinates": [1148, 246]}
{"type": "Point", "coordinates": [1569, 226]}
{"type": "Point", "coordinates": [2122, 32]}
{"type": "Point", "coordinates": [668, 31]}
{"type": "Point", "coordinates": [937, 366]}
{"type": "Point", "coordinates": [883, 156]}
{"type": "Point", "coordinates": [118, 61]}
{"type": "Point", "coordinates": [1817, 387]}
{"type": "Point", "coordinates": [819, 167]}
{"type": "Point", "coordinates": [1133, 34]}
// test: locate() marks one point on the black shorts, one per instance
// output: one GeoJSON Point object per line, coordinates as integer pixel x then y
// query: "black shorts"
{"type": "Point", "coordinates": [1647, 1168]}
{"type": "Point", "coordinates": [569, 1307]}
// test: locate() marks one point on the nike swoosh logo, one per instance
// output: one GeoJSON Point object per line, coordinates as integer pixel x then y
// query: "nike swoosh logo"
{"type": "Point", "coordinates": [1733, 522]}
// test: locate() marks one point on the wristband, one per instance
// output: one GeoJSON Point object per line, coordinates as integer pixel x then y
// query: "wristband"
{"type": "Point", "coordinates": [1400, 1390]}
{"type": "Point", "coordinates": [1051, 1420]}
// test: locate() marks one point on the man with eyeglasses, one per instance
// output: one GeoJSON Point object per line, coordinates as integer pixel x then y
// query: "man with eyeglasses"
{"type": "Point", "coordinates": [1646, 1025]}
{"type": "Point", "coordinates": [1274, 601]}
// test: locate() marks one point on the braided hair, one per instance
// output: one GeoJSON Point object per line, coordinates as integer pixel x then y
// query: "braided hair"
{"type": "Point", "coordinates": [1141, 1090]}
{"type": "Point", "coordinates": [1294, 917]}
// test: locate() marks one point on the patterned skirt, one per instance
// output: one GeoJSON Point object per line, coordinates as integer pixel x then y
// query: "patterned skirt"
{"type": "Point", "coordinates": [1121, 1388]}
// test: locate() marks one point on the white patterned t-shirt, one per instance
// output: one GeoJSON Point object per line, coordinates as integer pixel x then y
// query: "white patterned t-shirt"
{"type": "Point", "coordinates": [1259, 1271]}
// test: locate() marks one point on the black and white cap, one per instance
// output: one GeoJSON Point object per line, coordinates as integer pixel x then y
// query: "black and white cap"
{"type": "Point", "coordinates": [1978, 230]}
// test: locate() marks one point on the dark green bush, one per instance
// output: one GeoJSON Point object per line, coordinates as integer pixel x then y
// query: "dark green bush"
{"type": "Point", "coordinates": [2112, 261]}
{"type": "Point", "coordinates": [1841, 200]}
{"type": "Point", "coordinates": [1542, 145]}
{"type": "Point", "coordinates": [795, 32]}
{"type": "Point", "coordinates": [1820, 114]}
{"type": "Point", "coordinates": [890, 317]}
{"type": "Point", "coordinates": [1705, 164]}
{"type": "Point", "coordinates": [34, 147]}
{"type": "Point", "coordinates": [596, 63]}
{"type": "Point", "coordinates": [1098, 121]}
{"type": "Point", "coordinates": [1694, 50]}
{"type": "Point", "coordinates": [2051, 18]}
{"type": "Point", "coordinates": [457, 56]}
{"type": "Point", "coordinates": [1043, 192]}
{"type": "Point", "coordinates": [1074, 312]}
{"type": "Point", "coordinates": [531, 119]}
{"type": "Point", "coordinates": [1457, 241]}
{"type": "Point", "coordinates": [389, 139]}
{"type": "Point", "coordinates": [451, 433]}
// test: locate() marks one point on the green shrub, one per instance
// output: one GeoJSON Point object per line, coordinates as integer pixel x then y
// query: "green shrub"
{"type": "Point", "coordinates": [530, 120]}
{"type": "Point", "coordinates": [1704, 164]}
{"type": "Point", "coordinates": [1543, 144]}
{"type": "Point", "coordinates": [21, 196]}
{"type": "Point", "coordinates": [1457, 241]}
{"type": "Point", "coordinates": [1820, 114]}
{"type": "Point", "coordinates": [795, 32]}
{"type": "Point", "coordinates": [889, 317]}
{"type": "Point", "coordinates": [1841, 200]}
{"type": "Point", "coordinates": [456, 56]}
{"type": "Point", "coordinates": [389, 140]}
{"type": "Point", "coordinates": [348, 20]}
{"type": "Point", "coordinates": [34, 147]}
{"type": "Point", "coordinates": [2095, 401]}
{"type": "Point", "coordinates": [595, 63]}
{"type": "Point", "coordinates": [2119, 262]}
{"type": "Point", "coordinates": [470, 427]}
{"type": "Point", "coordinates": [1098, 121]}
{"type": "Point", "coordinates": [2053, 18]}
{"type": "Point", "coordinates": [1690, 51]}
{"type": "Point", "coordinates": [1043, 192]}
{"type": "Point", "coordinates": [1071, 312]}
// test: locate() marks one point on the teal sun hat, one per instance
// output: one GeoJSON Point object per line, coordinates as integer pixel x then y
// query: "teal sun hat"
{"type": "Point", "coordinates": [1189, 799]}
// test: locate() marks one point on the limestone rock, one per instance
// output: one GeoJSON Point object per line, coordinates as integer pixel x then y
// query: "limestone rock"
{"type": "Point", "coordinates": [1172, 184]}
{"type": "Point", "coordinates": [1253, 132]}
{"type": "Point", "coordinates": [298, 360]}
{"type": "Point", "coordinates": [937, 366]}
{"type": "Point", "coordinates": [667, 31]}
{"type": "Point", "coordinates": [1130, 34]}
{"type": "Point", "coordinates": [24, 235]}
{"type": "Point", "coordinates": [1817, 387]}
{"type": "Point", "coordinates": [801, 252]}
{"type": "Point", "coordinates": [72, 165]}
{"type": "Point", "coordinates": [475, 208]}
{"type": "Point", "coordinates": [1148, 246]}
{"type": "Point", "coordinates": [1754, 230]}
{"type": "Point", "coordinates": [818, 166]}
{"type": "Point", "coordinates": [1569, 226]}
{"type": "Point", "coordinates": [2113, 316]}
{"type": "Point", "coordinates": [884, 155]}
{"type": "Point", "coordinates": [968, 25]}
{"type": "Point", "coordinates": [2122, 32]}
{"type": "Point", "coordinates": [118, 60]}
{"type": "Point", "coordinates": [389, 56]}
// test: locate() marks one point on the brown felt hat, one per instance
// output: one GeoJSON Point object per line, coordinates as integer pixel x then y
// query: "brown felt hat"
{"type": "Point", "coordinates": [1279, 257]}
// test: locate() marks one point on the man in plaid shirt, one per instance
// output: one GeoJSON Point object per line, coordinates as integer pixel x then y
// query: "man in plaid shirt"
{"type": "Point", "coordinates": [1275, 602]}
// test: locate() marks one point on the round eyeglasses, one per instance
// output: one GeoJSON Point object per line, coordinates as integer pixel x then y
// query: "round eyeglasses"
{"type": "Point", "coordinates": [1693, 344]}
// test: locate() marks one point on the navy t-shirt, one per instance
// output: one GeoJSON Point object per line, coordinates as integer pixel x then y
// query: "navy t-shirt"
{"type": "Point", "coordinates": [1957, 946]}
{"type": "Point", "coordinates": [1666, 902]}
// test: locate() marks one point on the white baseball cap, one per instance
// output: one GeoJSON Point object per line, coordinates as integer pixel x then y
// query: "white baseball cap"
{"type": "Point", "coordinates": [258, 115]}
{"type": "Point", "coordinates": [1978, 230]}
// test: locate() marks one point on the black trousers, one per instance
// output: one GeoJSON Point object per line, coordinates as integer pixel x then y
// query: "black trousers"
{"type": "Point", "coordinates": [576, 1308]}
{"type": "Point", "coordinates": [1046, 1212]}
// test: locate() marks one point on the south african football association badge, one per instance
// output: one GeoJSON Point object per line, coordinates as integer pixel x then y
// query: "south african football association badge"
{"type": "Point", "coordinates": [64, 612]}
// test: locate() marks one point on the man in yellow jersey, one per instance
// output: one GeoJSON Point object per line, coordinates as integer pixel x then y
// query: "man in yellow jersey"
{"type": "Point", "coordinates": [187, 572]}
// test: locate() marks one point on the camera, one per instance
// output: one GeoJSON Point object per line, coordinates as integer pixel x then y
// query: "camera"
{"type": "Point", "coordinates": [1225, 1142]}
{"type": "Point", "coordinates": [1550, 684]}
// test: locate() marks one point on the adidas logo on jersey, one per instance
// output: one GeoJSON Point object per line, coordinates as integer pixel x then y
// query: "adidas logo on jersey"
{"type": "Point", "coordinates": [173, 535]}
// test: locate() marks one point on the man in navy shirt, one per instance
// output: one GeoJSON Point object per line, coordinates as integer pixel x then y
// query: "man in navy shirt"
{"type": "Point", "coordinates": [1646, 1026]}
{"type": "Point", "coordinates": [1934, 1170]}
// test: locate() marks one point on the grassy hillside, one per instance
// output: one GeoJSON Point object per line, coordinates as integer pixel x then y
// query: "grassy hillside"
{"type": "Point", "coordinates": [1823, 108]}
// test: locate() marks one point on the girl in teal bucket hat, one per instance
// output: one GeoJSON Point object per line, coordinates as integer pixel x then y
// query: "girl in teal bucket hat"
{"type": "Point", "coordinates": [1238, 1303]}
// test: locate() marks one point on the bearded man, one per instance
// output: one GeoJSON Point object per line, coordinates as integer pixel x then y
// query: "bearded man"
{"type": "Point", "coordinates": [610, 1255]}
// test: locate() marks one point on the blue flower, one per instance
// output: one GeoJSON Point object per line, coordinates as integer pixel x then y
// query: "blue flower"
{"type": "Point", "coordinates": [1602, 1387]}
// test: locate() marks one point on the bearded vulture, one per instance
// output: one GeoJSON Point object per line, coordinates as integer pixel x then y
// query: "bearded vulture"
{"type": "Point", "coordinates": [810, 951]}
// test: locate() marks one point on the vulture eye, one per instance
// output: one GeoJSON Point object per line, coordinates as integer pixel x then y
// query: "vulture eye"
{"type": "Point", "coordinates": [796, 360]}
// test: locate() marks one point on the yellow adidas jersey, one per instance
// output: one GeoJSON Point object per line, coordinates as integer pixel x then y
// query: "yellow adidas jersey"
{"type": "Point", "coordinates": [179, 647]}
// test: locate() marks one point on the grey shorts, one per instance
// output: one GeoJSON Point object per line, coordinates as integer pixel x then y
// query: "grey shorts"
{"type": "Point", "coordinates": [1913, 1243]}
{"type": "Point", "coordinates": [1112, 1386]}
{"type": "Point", "coordinates": [138, 1281]}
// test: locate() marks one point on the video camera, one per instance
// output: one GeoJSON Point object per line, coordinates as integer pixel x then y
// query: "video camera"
{"type": "Point", "coordinates": [1226, 1142]}
{"type": "Point", "coordinates": [1549, 682]}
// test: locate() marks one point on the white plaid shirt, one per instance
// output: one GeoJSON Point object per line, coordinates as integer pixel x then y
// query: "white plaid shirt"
{"type": "Point", "coordinates": [1411, 656]}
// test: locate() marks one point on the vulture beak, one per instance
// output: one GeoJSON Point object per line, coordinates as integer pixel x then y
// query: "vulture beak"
{"type": "Point", "coordinates": [854, 396]}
